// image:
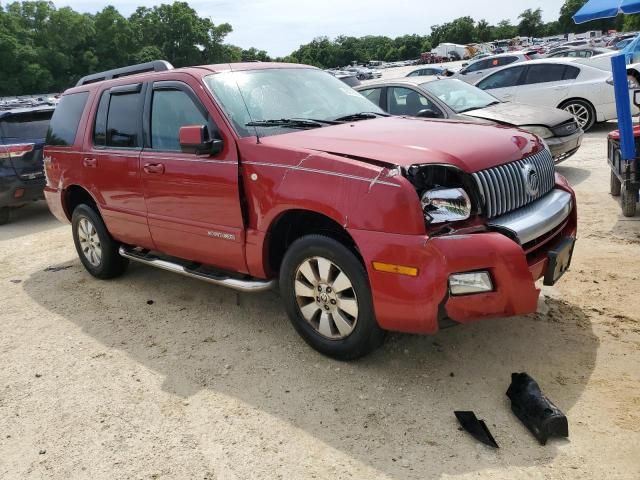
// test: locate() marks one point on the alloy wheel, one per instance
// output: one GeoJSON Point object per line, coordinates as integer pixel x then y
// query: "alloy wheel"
{"type": "Point", "coordinates": [89, 242]}
{"type": "Point", "coordinates": [326, 298]}
{"type": "Point", "coordinates": [580, 112]}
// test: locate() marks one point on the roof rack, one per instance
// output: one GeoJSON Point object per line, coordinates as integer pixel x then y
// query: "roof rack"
{"type": "Point", "coordinates": [155, 66]}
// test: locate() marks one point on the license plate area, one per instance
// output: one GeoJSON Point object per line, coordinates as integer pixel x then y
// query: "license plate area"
{"type": "Point", "coordinates": [559, 260]}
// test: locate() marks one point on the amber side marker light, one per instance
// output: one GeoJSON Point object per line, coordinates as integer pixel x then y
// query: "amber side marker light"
{"type": "Point", "coordinates": [393, 268]}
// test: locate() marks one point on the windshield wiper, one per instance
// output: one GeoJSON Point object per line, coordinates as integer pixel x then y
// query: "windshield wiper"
{"type": "Point", "coordinates": [361, 116]}
{"type": "Point", "coordinates": [287, 122]}
{"type": "Point", "coordinates": [478, 107]}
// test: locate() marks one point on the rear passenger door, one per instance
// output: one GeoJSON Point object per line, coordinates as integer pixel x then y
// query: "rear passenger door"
{"type": "Point", "coordinates": [193, 201]}
{"type": "Point", "coordinates": [546, 84]}
{"type": "Point", "coordinates": [110, 163]}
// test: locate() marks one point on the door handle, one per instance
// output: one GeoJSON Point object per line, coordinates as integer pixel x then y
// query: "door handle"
{"type": "Point", "coordinates": [89, 162]}
{"type": "Point", "coordinates": [157, 168]}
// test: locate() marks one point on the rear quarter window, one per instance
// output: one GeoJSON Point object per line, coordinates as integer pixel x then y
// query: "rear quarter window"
{"type": "Point", "coordinates": [66, 118]}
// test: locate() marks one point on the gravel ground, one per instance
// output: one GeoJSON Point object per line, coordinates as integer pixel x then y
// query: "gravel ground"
{"type": "Point", "coordinates": [158, 376]}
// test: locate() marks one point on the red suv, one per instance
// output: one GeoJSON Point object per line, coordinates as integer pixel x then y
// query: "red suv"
{"type": "Point", "coordinates": [262, 174]}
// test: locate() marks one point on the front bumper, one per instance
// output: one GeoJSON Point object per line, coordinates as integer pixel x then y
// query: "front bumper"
{"type": "Point", "coordinates": [417, 304]}
{"type": "Point", "coordinates": [15, 191]}
{"type": "Point", "coordinates": [563, 147]}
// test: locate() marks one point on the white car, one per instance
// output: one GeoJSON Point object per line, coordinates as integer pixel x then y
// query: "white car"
{"type": "Point", "coordinates": [584, 91]}
{"type": "Point", "coordinates": [477, 69]}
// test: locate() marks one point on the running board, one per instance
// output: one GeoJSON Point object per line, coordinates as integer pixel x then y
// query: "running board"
{"type": "Point", "coordinates": [251, 285]}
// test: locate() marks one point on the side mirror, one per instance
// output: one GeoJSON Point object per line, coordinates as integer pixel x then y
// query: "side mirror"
{"type": "Point", "coordinates": [636, 98]}
{"type": "Point", "coordinates": [427, 113]}
{"type": "Point", "coordinates": [196, 139]}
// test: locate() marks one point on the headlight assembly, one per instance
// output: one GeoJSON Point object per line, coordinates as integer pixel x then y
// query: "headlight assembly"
{"type": "Point", "coordinates": [445, 205]}
{"type": "Point", "coordinates": [542, 132]}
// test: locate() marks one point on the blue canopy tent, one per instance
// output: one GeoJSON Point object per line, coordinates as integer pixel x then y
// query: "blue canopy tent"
{"type": "Point", "coordinates": [598, 9]}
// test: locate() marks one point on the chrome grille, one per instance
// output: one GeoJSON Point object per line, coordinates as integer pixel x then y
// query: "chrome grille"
{"type": "Point", "coordinates": [504, 188]}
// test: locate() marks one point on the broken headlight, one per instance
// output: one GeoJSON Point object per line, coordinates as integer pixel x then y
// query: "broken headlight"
{"type": "Point", "coordinates": [446, 193]}
{"type": "Point", "coordinates": [445, 205]}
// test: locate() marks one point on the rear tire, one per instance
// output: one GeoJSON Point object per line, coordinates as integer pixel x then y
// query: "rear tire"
{"type": "Point", "coordinates": [327, 296]}
{"type": "Point", "coordinates": [614, 185]}
{"type": "Point", "coordinates": [5, 215]}
{"type": "Point", "coordinates": [583, 112]}
{"type": "Point", "coordinates": [628, 200]}
{"type": "Point", "coordinates": [97, 250]}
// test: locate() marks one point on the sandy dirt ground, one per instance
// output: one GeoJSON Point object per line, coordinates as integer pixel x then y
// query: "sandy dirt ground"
{"type": "Point", "coordinates": [157, 376]}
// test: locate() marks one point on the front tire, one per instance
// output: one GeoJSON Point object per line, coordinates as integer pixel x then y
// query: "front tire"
{"type": "Point", "coordinates": [326, 293]}
{"type": "Point", "coordinates": [583, 112]}
{"type": "Point", "coordinates": [97, 250]}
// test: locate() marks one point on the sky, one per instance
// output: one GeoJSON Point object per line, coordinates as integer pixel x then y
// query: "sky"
{"type": "Point", "coordinates": [281, 26]}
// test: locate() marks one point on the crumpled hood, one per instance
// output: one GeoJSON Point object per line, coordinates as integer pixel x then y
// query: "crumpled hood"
{"type": "Point", "coordinates": [519, 114]}
{"type": "Point", "coordinates": [405, 141]}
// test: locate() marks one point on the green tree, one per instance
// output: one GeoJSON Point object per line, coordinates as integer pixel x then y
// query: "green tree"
{"type": "Point", "coordinates": [531, 24]}
{"type": "Point", "coordinates": [504, 30]}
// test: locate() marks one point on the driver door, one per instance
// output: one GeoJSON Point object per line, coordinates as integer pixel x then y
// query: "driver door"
{"type": "Point", "coordinates": [193, 201]}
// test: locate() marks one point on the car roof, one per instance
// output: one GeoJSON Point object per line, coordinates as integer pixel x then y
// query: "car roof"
{"type": "Point", "coordinates": [400, 80]}
{"type": "Point", "coordinates": [196, 71]}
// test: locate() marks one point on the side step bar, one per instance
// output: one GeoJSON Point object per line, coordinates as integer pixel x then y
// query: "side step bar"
{"type": "Point", "coordinates": [250, 285]}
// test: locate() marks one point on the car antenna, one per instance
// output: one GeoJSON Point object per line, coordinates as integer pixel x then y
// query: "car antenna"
{"type": "Point", "coordinates": [255, 128]}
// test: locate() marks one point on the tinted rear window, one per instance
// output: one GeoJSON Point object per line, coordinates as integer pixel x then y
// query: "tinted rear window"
{"type": "Point", "coordinates": [66, 118]}
{"type": "Point", "coordinates": [123, 120]}
{"type": "Point", "coordinates": [24, 126]}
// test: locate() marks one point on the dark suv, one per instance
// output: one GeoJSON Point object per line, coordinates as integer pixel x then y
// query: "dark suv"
{"type": "Point", "coordinates": [22, 134]}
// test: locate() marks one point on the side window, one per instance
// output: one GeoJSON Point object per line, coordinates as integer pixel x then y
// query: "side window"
{"type": "Point", "coordinates": [504, 78]}
{"type": "Point", "coordinates": [404, 101]}
{"type": "Point", "coordinates": [100, 125]}
{"type": "Point", "coordinates": [571, 73]}
{"type": "Point", "coordinates": [506, 60]}
{"type": "Point", "coordinates": [479, 65]}
{"type": "Point", "coordinates": [66, 118]}
{"type": "Point", "coordinates": [123, 120]}
{"type": "Point", "coordinates": [415, 73]}
{"type": "Point", "coordinates": [544, 73]}
{"type": "Point", "coordinates": [170, 110]}
{"type": "Point", "coordinates": [372, 94]}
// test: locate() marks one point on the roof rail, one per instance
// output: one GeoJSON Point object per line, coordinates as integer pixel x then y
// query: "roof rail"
{"type": "Point", "coordinates": [155, 66]}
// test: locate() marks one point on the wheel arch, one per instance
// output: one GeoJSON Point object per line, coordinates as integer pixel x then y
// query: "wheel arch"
{"type": "Point", "coordinates": [74, 195]}
{"type": "Point", "coordinates": [293, 224]}
{"type": "Point", "coordinates": [584, 100]}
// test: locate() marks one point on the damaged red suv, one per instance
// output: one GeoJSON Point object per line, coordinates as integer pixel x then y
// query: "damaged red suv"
{"type": "Point", "coordinates": [259, 175]}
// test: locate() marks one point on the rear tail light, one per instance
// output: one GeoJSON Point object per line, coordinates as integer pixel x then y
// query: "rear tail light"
{"type": "Point", "coordinates": [15, 150]}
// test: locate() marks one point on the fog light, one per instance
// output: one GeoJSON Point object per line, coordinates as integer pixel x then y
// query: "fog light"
{"type": "Point", "coordinates": [470, 282]}
{"type": "Point", "coordinates": [19, 193]}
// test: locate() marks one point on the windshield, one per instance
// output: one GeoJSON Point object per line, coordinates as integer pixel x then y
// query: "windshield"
{"type": "Point", "coordinates": [284, 93]}
{"type": "Point", "coordinates": [458, 95]}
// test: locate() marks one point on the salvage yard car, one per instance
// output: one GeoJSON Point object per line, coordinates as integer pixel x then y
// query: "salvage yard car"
{"type": "Point", "coordinates": [584, 91]}
{"type": "Point", "coordinates": [22, 134]}
{"type": "Point", "coordinates": [262, 174]}
{"type": "Point", "coordinates": [433, 97]}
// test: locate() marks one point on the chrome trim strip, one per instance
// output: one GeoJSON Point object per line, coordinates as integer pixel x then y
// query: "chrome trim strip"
{"type": "Point", "coordinates": [326, 172]}
{"type": "Point", "coordinates": [537, 218]}
{"type": "Point", "coordinates": [233, 283]}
